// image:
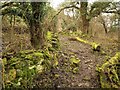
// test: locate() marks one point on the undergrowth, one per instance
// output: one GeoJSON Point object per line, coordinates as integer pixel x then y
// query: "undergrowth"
{"type": "Point", "coordinates": [109, 72]}
{"type": "Point", "coordinates": [20, 69]}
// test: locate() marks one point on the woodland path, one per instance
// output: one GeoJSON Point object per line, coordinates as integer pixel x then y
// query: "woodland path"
{"type": "Point", "coordinates": [87, 76]}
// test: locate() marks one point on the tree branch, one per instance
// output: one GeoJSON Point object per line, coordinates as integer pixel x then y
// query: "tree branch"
{"type": "Point", "coordinates": [117, 12]}
{"type": "Point", "coordinates": [73, 6]}
{"type": "Point", "coordinates": [6, 4]}
{"type": "Point", "coordinates": [18, 12]}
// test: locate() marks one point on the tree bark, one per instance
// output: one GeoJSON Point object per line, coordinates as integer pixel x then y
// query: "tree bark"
{"type": "Point", "coordinates": [37, 37]}
{"type": "Point", "coordinates": [105, 27]}
{"type": "Point", "coordinates": [36, 31]}
{"type": "Point", "coordinates": [104, 24]}
{"type": "Point", "coordinates": [83, 14]}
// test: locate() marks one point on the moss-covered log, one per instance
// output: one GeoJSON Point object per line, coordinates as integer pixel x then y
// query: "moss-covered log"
{"type": "Point", "coordinates": [95, 46]}
{"type": "Point", "coordinates": [109, 72]}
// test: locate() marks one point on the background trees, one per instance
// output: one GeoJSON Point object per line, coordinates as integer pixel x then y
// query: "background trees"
{"type": "Point", "coordinates": [33, 14]}
{"type": "Point", "coordinates": [88, 11]}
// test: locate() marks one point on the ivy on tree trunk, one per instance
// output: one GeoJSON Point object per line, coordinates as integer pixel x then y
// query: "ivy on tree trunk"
{"type": "Point", "coordinates": [36, 31]}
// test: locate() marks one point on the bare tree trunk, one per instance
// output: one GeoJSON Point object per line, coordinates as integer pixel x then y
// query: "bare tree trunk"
{"type": "Point", "coordinates": [119, 33]}
{"type": "Point", "coordinates": [85, 25]}
{"type": "Point", "coordinates": [104, 24]}
{"type": "Point", "coordinates": [83, 13]}
{"type": "Point", "coordinates": [12, 28]}
{"type": "Point", "coordinates": [105, 27]}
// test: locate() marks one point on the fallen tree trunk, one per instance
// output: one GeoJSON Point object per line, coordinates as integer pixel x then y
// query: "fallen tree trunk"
{"type": "Point", "coordinates": [95, 46]}
{"type": "Point", "coordinates": [109, 72]}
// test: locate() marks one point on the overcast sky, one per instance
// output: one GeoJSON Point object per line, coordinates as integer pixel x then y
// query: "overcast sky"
{"type": "Point", "coordinates": [55, 3]}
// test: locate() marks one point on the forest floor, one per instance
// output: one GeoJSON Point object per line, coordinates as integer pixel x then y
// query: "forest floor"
{"type": "Point", "coordinates": [86, 76]}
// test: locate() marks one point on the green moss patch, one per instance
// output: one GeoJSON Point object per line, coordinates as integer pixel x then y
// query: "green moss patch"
{"type": "Point", "coordinates": [109, 72]}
